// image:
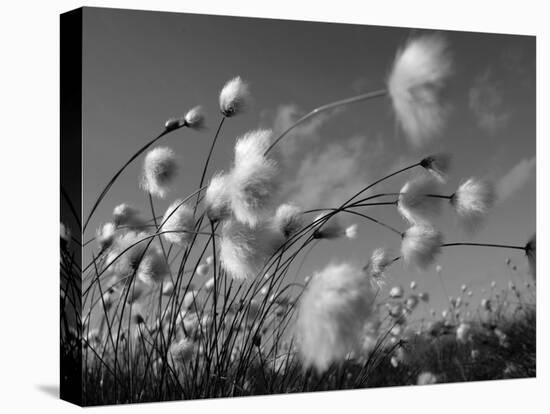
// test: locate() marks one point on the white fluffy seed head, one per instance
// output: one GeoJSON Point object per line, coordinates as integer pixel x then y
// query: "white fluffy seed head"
{"type": "Point", "coordinates": [412, 302]}
{"type": "Point", "coordinates": [105, 235]}
{"type": "Point", "coordinates": [217, 200]}
{"type": "Point", "coordinates": [178, 223]}
{"type": "Point", "coordinates": [168, 288]}
{"type": "Point", "coordinates": [209, 285]}
{"type": "Point", "coordinates": [417, 77]}
{"type": "Point", "coordinates": [194, 118]}
{"type": "Point", "coordinates": [126, 215]}
{"type": "Point", "coordinates": [420, 245]}
{"type": "Point", "coordinates": [332, 313]}
{"type": "Point", "coordinates": [288, 220]}
{"type": "Point", "coordinates": [153, 268]}
{"type": "Point", "coordinates": [377, 264]}
{"type": "Point", "coordinates": [244, 250]}
{"type": "Point", "coordinates": [426, 378]}
{"type": "Point", "coordinates": [472, 202]}
{"type": "Point", "coordinates": [234, 97]}
{"type": "Point", "coordinates": [396, 292]}
{"type": "Point", "coordinates": [414, 203]}
{"type": "Point", "coordinates": [189, 300]}
{"type": "Point", "coordinates": [253, 179]}
{"type": "Point", "coordinates": [351, 231]}
{"type": "Point", "coordinates": [202, 269]}
{"type": "Point", "coordinates": [463, 332]}
{"type": "Point", "coordinates": [159, 170]}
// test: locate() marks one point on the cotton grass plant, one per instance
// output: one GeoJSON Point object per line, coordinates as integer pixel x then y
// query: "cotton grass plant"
{"type": "Point", "coordinates": [201, 301]}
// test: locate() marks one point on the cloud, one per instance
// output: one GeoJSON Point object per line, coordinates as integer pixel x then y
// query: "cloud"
{"type": "Point", "coordinates": [486, 101]}
{"type": "Point", "coordinates": [286, 115]}
{"type": "Point", "coordinates": [329, 177]}
{"type": "Point", "coordinates": [515, 179]}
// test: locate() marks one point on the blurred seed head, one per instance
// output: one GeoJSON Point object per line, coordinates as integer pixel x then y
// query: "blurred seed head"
{"type": "Point", "coordinates": [414, 204]}
{"type": "Point", "coordinates": [218, 204]}
{"type": "Point", "coordinates": [332, 313]}
{"type": "Point", "coordinates": [376, 266]}
{"type": "Point", "coordinates": [420, 245]}
{"type": "Point", "coordinates": [202, 269]}
{"type": "Point", "coordinates": [288, 220]}
{"type": "Point", "coordinates": [426, 378]}
{"type": "Point", "coordinates": [254, 179]}
{"type": "Point", "coordinates": [160, 167]}
{"type": "Point", "coordinates": [415, 82]}
{"type": "Point", "coordinates": [105, 235]}
{"type": "Point", "coordinates": [153, 268]}
{"type": "Point", "coordinates": [178, 223]}
{"type": "Point", "coordinates": [126, 215]}
{"type": "Point", "coordinates": [396, 292]}
{"type": "Point", "coordinates": [244, 250]}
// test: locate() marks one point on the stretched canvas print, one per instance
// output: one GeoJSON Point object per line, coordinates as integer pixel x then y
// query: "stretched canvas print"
{"type": "Point", "coordinates": [254, 206]}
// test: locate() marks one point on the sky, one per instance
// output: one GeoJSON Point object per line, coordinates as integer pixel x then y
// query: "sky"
{"type": "Point", "coordinates": [141, 68]}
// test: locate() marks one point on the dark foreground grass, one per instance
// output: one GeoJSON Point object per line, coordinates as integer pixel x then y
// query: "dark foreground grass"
{"type": "Point", "coordinates": [505, 348]}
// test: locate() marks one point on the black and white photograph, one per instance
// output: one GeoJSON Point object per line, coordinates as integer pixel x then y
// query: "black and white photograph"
{"type": "Point", "coordinates": [277, 206]}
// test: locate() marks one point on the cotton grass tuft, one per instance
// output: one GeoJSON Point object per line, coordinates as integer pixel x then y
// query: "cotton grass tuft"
{"type": "Point", "coordinates": [472, 202]}
{"type": "Point", "coordinates": [288, 220]}
{"type": "Point", "coordinates": [244, 250]}
{"type": "Point", "coordinates": [234, 97]}
{"type": "Point", "coordinates": [153, 268]}
{"type": "Point", "coordinates": [414, 203]}
{"type": "Point", "coordinates": [217, 201]}
{"type": "Point", "coordinates": [253, 178]}
{"type": "Point", "coordinates": [417, 77]}
{"type": "Point", "coordinates": [126, 215]}
{"type": "Point", "coordinates": [105, 235]}
{"type": "Point", "coordinates": [178, 223]}
{"type": "Point", "coordinates": [194, 118]}
{"type": "Point", "coordinates": [332, 312]}
{"type": "Point", "coordinates": [159, 170]}
{"type": "Point", "coordinates": [420, 245]}
{"type": "Point", "coordinates": [377, 264]}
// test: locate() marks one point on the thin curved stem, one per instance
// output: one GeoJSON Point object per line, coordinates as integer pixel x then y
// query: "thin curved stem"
{"type": "Point", "coordinates": [323, 108]}
{"type": "Point", "coordinates": [502, 246]}
{"type": "Point", "coordinates": [380, 180]}
{"type": "Point", "coordinates": [118, 173]}
{"type": "Point", "coordinates": [400, 233]}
